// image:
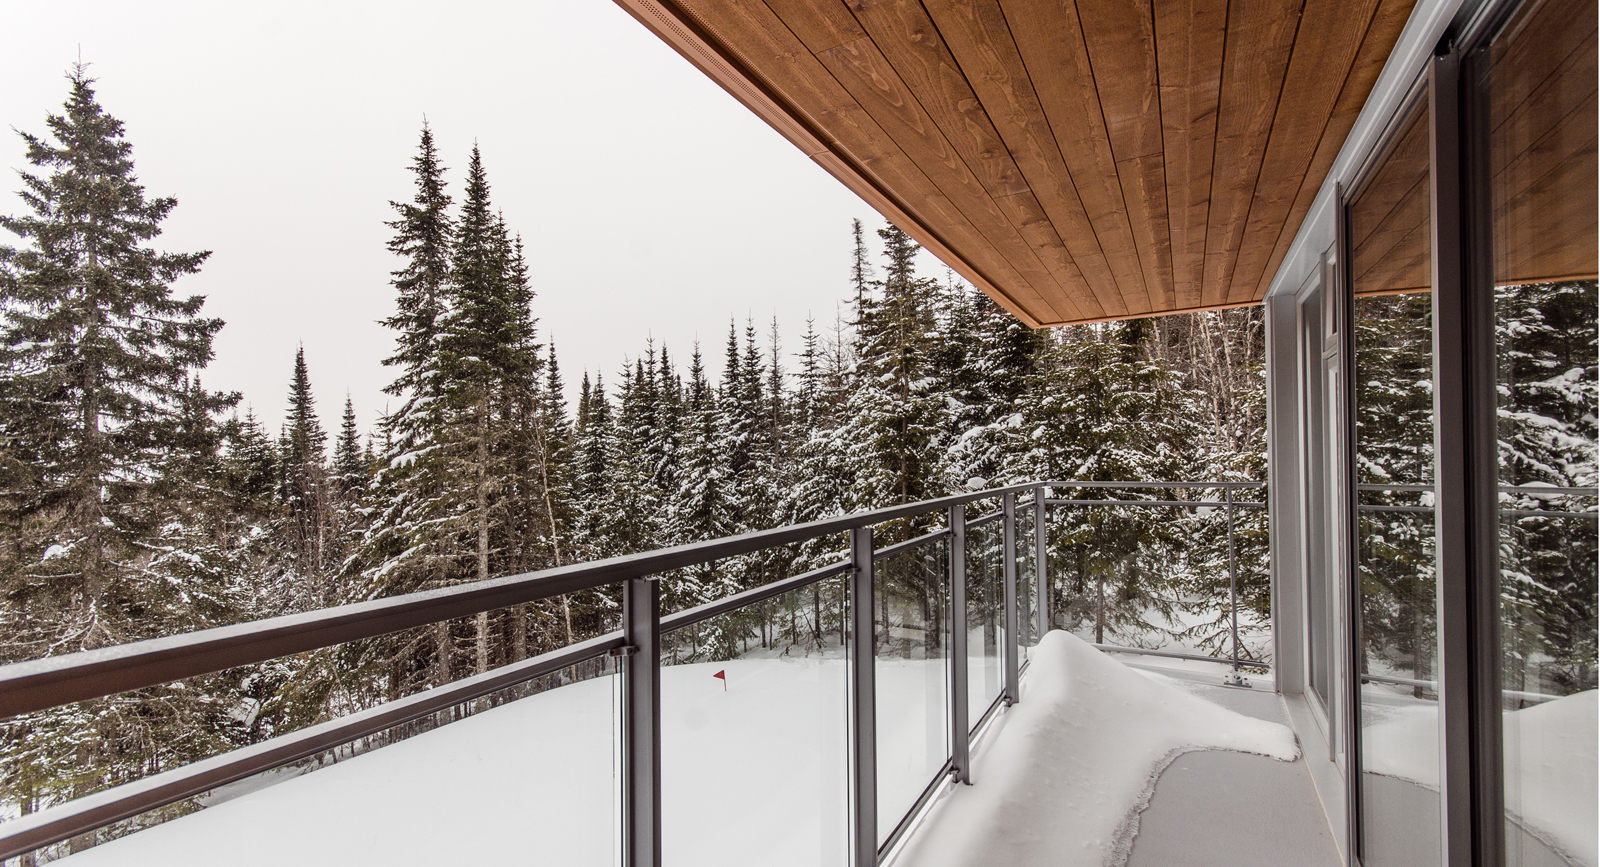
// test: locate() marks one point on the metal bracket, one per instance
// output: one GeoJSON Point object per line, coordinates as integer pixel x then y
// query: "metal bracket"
{"type": "Point", "coordinates": [624, 650]}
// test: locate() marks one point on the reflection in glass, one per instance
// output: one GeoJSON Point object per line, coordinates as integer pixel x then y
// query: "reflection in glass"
{"type": "Point", "coordinates": [912, 673]}
{"type": "Point", "coordinates": [1541, 73]}
{"type": "Point", "coordinates": [985, 620]}
{"type": "Point", "coordinates": [1396, 568]}
{"type": "Point", "coordinates": [754, 757]}
{"type": "Point", "coordinates": [1027, 596]}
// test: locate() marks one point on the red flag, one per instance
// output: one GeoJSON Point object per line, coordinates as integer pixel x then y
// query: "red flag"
{"type": "Point", "coordinates": [723, 676]}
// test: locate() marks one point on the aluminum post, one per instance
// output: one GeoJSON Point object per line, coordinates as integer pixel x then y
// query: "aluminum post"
{"type": "Point", "coordinates": [960, 761]}
{"type": "Point", "coordinates": [1008, 558]}
{"type": "Point", "coordinates": [1041, 579]}
{"type": "Point", "coordinates": [863, 706]}
{"type": "Point", "coordinates": [641, 723]}
{"type": "Point", "coordinates": [1233, 582]}
{"type": "Point", "coordinates": [1233, 594]}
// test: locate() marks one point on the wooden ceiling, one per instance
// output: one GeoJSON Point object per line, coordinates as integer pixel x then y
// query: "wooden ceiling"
{"type": "Point", "coordinates": [1078, 161]}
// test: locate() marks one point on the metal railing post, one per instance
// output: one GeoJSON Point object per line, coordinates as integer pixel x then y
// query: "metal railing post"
{"type": "Point", "coordinates": [863, 706]}
{"type": "Point", "coordinates": [1008, 558]}
{"type": "Point", "coordinates": [1041, 580]}
{"type": "Point", "coordinates": [1233, 587]}
{"type": "Point", "coordinates": [960, 761]}
{"type": "Point", "coordinates": [641, 723]}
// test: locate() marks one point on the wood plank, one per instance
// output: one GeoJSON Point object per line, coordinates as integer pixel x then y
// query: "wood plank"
{"type": "Point", "coordinates": [786, 66]}
{"type": "Point", "coordinates": [1256, 58]}
{"type": "Point", "coordinates": [978, 37]}
{"type": "Point", "coordinates": [911, 43]}
{"type": "Point", "coordinates": [1121, 41]}
{"type": "Point", "coordinates": [1050, 41]}
{"type": "Point", "coordinates": [871, 80]}
{"type": "Point", "coordinates": [1325, 47]}
{"type": "Point", "coordinates": [1382, 35]}
{"type": "Point", "coordinates": [1189, 44]}
{"type": "Point", "coordinates": [1144, 186]}
{"type": "Point", "coordinates": [1519, 169]}
{"type": "Point", "coordinates": [819, 24]}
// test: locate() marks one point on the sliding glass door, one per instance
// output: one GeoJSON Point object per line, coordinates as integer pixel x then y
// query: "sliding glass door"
{"type": "Point", "coordinates": [1537, 79]}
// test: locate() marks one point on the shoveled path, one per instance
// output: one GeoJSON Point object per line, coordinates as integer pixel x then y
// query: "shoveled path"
{"type": "Point", "coordinates": [1232, 809]}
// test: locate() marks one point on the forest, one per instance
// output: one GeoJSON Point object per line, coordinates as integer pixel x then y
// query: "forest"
{"type": "Point", "coordinates": [137, 503]}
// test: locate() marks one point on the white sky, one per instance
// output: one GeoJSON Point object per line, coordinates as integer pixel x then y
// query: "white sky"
{"type": "Point", "coordinates": [651, 203]}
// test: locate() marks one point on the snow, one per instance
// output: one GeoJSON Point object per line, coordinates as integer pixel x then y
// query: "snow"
{"type": "Point", "coordinates": [1552, 765]}
{"type": "Point", "coordinates": [1063, 779]}
{"type": "Point", "coordinates": [758, 768]}
{"type": "Point", "coordinates": [756, 772]}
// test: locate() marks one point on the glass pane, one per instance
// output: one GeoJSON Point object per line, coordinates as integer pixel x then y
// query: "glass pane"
{"type": "Point", "coordinates": [1395, 567]}
{"type": "Point", "coordinates": [754, 759]}
{"type": "Point", "coordinates": [1027, 601]}
{"type": "Point", "coordinates": [912, 673]}
{"type": "Point", "coordinates": [985, 620]}
{"type": "Point", "coordinates": [470, 784]}
{"type": "Point", "coordinates": [1542, 155]}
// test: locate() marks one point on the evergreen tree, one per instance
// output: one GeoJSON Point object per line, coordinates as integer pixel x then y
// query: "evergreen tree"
{"type": "Point", "coordinates": [349, 465]}
{"type": "Point", "coordinates": [305, 489]}
{"type": "Point", "coordinates": [109, 444]}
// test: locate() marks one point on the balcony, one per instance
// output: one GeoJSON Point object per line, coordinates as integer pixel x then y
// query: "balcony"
{"type": "Point", "coordinates": [754, 729]}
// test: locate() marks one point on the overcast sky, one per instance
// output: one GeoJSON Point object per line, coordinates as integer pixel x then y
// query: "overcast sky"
{"type": "Point", "coordinates": [651, 203]}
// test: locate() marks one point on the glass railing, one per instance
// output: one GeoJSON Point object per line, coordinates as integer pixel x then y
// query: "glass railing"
{"type": "Point", "coordinates": [1166, 569]}
{"type": "Point", "coordinates": [807, 721]}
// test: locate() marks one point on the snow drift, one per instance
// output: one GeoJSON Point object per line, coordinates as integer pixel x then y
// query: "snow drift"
{"type": "Point", "coordinates": [1075, 762]}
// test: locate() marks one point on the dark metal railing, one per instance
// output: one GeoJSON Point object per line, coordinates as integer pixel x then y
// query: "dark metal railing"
{"type": "Point", "coordinates": [45, 683]}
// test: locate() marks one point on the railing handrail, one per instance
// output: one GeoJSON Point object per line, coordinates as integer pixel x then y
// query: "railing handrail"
{"type": "Point", "coordinates": [54, 681]}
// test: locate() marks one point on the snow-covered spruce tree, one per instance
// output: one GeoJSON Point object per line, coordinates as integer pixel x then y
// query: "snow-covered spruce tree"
{"type": "Point", "coordinates": [305, 492]}
{"type": "Point", "coordinates": [820, 472]}
{"type": "Point", "coordinates": [97, 404]}
{"type": "Point", "coordinates": [487, 358]}
{"type": "Point", "coordinates": [399, 550]}
{"type": "Point", "coordinates": [896, 416]}
{"type": "Point", "coordinates": [987, 358]}
{"type": "Point", "coordinates": [1103, 411]}
{"type": "Point", "coordinates": [349, 464]}
{"type": "Point", "coordinates": [554, 461]}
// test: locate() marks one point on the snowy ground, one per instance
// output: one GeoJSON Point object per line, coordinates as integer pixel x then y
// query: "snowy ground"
{"type": "Point", "coordinates": [1552, 765]}
{"type": "Point", "coordinates": [752, 773]}
{"type": "Point", "coordinates": [756, 772]}
{"type": "Point", "coordinates": [1062, 780]}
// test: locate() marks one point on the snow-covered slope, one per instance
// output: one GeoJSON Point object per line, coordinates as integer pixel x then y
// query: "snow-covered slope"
{"type": "Point", "coordinates": [754, 773]}
{"type": "Point", "coordinates": [1552, 765]}
{"type": "Point", "coordinates": [1064, 777]}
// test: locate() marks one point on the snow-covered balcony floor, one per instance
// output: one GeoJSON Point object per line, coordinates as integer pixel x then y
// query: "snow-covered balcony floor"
{"type": "Point", "coordinates": [1108, 764]}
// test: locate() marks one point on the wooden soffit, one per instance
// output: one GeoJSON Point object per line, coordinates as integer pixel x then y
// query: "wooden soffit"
{"type": "Point", "coordinates": [1078, 161]}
